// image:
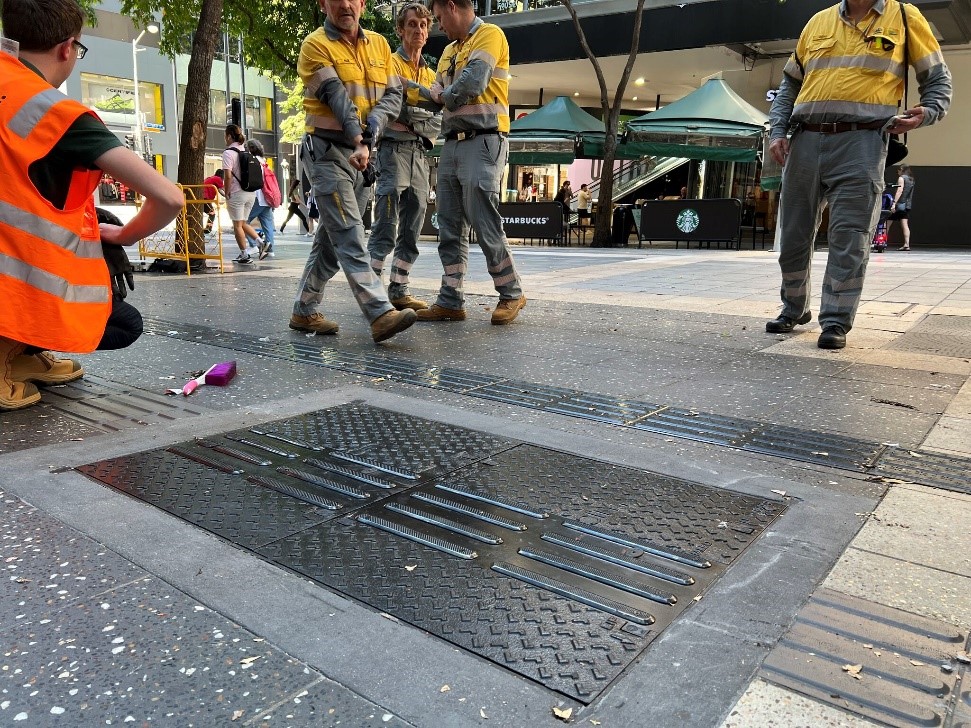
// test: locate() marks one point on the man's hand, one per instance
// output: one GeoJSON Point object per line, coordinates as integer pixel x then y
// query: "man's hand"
{"type": "Point", "coordinates": [359, 158]}
{"type": "Point", "coordinates": [779, 149]}
{"type": "Point", "coordinates": [113, 234]}
{"type": "Point", "coordinates": [119, 267]}
{"type": "Point", "coordinates": [907, 121]}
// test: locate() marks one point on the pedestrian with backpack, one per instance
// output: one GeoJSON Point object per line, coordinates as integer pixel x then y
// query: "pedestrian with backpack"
{"type": "Point", "coordinates": [267, 198]}
{"type": "Point", "coordinates": [243, 176]}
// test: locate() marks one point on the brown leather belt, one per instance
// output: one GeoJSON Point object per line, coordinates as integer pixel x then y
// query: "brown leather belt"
{"type": "Point", "coordinates": [838, 127]}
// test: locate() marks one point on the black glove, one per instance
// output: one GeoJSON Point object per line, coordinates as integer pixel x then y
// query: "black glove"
{"type": "Point", "coordinates": [119, 268]}
{"type": "Point", "coordinates": [371, 174]}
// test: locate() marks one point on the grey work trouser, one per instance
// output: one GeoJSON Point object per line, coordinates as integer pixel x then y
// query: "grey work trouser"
{"type": "Point", "coordinates": [341, 196]}
{"type": "Point", "coordinates": [469, 175]}
{"type": "Point", "coordinates": [844, 171]}
{"type": "Point", "coordinates": [401, 196]}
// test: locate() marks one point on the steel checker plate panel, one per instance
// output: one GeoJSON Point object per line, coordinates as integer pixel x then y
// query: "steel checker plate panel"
{"type": "Point", "coordinates": [224, 504]}
{"type": "Point", "coordinates": [623, 552]}
{"type": "Point", "coordinates": [391, 437]}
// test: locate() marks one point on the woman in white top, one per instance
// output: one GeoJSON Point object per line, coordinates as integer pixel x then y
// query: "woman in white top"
{"type": "Point", "coordinates": [238, 201]}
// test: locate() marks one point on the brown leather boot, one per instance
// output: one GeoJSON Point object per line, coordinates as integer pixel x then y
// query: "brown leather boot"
{"type": "Point", "coordinates": [13, 394]}
{"type": "Point", "coordinates": [409, 301]}
{"type": "Point", "coordinates": [507, 310]}
{"type": "Point", "coordinates": [390, 323]}
{"type": "Point", "coordinates": [44, 368]}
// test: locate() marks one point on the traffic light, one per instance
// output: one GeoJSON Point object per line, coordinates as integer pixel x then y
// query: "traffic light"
{"type": "Point", "coordinates": [130, 141]}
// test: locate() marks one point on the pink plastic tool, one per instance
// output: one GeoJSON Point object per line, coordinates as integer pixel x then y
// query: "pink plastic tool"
{"type": "Point", "coordinates": [218, 374]}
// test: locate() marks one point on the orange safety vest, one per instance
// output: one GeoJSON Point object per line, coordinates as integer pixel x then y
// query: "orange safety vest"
{"type": "Point", "coordinates": [54, 285]}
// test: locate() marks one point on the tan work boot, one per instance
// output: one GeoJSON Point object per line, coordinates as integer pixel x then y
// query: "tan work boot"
{"type": "Point", "coordinates": [408, 301]}
{"type": "Point", "coordinates": [393, 322]}
{"type": "Point", "coordinates": [44, 368]}
{"type": "Point", "coordinates": [507, 310]}
{"type": "Point", "coordinates": [440, 313]}
{"type": "Point", "coordinates": [315, 323]}
{"type": "Point", "coordinates": [14, 395]}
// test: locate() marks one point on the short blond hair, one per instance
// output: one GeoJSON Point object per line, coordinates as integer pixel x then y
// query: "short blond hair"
{"type": "Point", "coordinates": [420, 10]}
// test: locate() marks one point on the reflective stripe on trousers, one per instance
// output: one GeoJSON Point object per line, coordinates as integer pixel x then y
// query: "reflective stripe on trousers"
{"type": "Point", "coordinates": [399, 211]}
{"type": "Point", "coordinates": [341, 196]}
{"type": "Point", "coordinates": [469, 175]}
{"type": "Point", "coordinates": [846, 172]}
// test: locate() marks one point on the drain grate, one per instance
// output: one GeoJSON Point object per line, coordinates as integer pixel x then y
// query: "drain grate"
{"type": "Point", "coordinates": [557, 567]}
{"type": "Point", "coordinates": [831, 450]}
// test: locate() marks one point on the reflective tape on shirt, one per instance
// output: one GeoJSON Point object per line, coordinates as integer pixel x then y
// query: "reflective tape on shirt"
{"type": "Point", "coordinates": [47, 282]}
{"type": "Point", "coordinates": [47, 230]}
{"type": "Point", "coordinates": [27, 117]}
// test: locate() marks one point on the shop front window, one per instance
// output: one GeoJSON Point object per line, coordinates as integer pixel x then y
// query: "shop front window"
{"type": "Point", "coordinates": [114, 100]}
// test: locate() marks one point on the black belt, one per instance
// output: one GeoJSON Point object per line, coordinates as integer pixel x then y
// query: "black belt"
{"type": "Point", "coordinates": [461, 136]}
{"type": "Point", "coordinates": [838, 127]}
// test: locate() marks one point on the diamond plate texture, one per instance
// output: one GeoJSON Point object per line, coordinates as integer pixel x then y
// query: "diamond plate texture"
{"type": "Point", "coordinates": [563, 644]}
{"type": "Point", "coordinates": [390, 437]}
{"type": "Point", "coordinates": [226, 505]}
{"type": "Point", "coordinates": [558, 567]}
{"type": "Point", "coordinates": [696, 519]}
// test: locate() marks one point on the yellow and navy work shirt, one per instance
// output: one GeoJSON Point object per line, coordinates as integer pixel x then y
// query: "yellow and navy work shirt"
{"type": "Point", "coordinates": [346, 85]}
{"type": "Point", "coordinates": [473, 78]}
{"type": "Point", "coordinates": [846, 71]}
{"type": "Point", "coordinates": [418, 114]}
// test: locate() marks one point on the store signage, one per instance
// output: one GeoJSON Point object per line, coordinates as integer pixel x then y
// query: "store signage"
{"type": "Point", "coordinates": [542, 220]}
{"type": "Point", "coordinates": [771, 94]}
{"type": "Point", "coordinates": [694, 220]}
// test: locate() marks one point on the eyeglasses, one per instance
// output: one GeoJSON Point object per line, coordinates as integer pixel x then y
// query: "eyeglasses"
{"type": "Point", "coordinates": [79, 48]}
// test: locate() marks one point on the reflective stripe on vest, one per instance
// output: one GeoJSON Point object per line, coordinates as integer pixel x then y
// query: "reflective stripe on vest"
{"type": "Point", "coordinates": [49, 231]}
{"type": "Point", "coordinates": [47, 282]}
{"type": "Point", "coordinates": [27, 117]}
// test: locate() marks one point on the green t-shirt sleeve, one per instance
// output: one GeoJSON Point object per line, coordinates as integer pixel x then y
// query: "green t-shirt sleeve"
{"type": "Point", "coordinates": [86, 140]}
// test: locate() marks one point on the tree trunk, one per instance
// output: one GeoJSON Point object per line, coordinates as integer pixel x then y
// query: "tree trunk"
{"type": "Point", "coordinates": [195, 115]}
{"type": "Point", "coordinates": [611, 112]}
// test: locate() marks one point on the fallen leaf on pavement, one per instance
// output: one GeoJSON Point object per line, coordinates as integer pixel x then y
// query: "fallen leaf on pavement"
{"type": "Point", "coordinates": [247, 661]}
{"type": "Point", "coordinates": [482, 713]}
{"type": "Point", "coordinates": [237, 714]}
{"type": "Point", "coordinates": [563, 715]}
{"type": "Point", "coordinates": [853, 670]}
{"type": "Point", "coordinates": [916, 663]}
{"type": "Point", "coordinates": [444, 689]}
{"type": "Point", "coordinates": [411, 568]}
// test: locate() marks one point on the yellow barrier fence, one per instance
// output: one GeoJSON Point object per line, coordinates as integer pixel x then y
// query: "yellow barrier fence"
{"type": "Point", "coordinates": [196, 236]}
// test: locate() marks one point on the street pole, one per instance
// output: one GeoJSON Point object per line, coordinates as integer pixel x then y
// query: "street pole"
{"type": "Point", "coordinates": [139, 141]}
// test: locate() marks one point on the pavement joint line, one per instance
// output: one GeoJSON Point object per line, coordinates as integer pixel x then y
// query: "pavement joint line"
{"type": "Point", "coordinates": [857, 456]}
{"type": "Point", "coordinates": [892, 557]}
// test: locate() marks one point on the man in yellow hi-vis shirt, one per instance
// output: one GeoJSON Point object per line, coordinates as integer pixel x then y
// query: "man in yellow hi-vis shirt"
{"type": "Point", "coordinates": [839, 96]}
{"type": "Point", "coordinates": [349, 98]}
{"type": "Point", "coordinates": [473, 85]}
{"type": "Point", "coordinates": [401, 192]}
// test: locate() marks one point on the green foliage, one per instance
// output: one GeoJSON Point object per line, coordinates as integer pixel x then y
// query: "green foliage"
{"type": "Point", "coordinates": [272, 30]}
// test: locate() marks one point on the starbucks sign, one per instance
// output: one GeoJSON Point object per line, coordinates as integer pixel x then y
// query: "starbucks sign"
{"type": "Point", "coordinates": [688, 220]}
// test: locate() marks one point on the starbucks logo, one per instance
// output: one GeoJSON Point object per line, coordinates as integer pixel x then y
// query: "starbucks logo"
{"type": "Point", "coordinates": [688, 220]}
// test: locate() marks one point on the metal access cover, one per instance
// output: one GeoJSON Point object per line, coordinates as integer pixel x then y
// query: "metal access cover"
{"type": "Point", "coordinates": [560, 568]}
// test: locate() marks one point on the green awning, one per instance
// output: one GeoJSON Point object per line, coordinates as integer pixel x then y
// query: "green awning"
{"type": "Point", "coordinates": [712, 123]}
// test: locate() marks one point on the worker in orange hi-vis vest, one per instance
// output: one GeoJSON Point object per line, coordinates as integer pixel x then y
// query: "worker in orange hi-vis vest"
{"type": "Point", "coordinates": [54, 278]}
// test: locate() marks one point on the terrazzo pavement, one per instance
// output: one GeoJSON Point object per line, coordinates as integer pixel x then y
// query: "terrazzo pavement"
{"type": "Point", "coordinates": [113, 613]}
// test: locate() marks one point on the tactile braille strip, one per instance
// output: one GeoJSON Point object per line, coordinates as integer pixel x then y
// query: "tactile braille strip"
{"type": "Point", "coordinates": [583, 588]}
{"type": "Point", "coordinates": [900, 657]}
{"type": "Point", "coordinates": [831, 450]}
